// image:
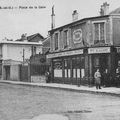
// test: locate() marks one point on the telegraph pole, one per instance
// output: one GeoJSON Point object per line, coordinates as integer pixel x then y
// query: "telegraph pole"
{"type": "Point", "coordinates": [23, 55]}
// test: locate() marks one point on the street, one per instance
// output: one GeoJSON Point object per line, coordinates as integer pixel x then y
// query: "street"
{"type": "Point", "coordinates": [26, 102]}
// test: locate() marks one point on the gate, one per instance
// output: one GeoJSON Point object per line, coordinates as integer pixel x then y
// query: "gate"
{"type": "Point", "coordinates": [24, 73]}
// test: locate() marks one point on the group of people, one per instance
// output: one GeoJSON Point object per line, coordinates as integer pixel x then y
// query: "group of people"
{"type": "Point", "coordinates": [101, 78]}
{"type": "Point", "coordinates": [98, 78]}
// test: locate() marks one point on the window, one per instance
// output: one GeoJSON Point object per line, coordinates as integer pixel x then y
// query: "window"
{"type": "Point", "coordinates": [65, 39]}
{"type": "Point", "coordinates": [67, 70]}
{"type": "Point", "coordinates": [78, 69]}
{"type": "Point", "coordinates": [57, 68]}
{"type": "Point", "coordinates": [56, 41]}
{"type": "Point", "coordinates": [99, 32]}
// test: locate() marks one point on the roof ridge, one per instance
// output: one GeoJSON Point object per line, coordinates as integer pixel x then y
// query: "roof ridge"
{"type": "Point", "coordinates": [115, 11]}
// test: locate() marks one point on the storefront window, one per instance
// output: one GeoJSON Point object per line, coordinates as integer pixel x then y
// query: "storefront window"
{"type": "Point", "coordinates": [73, 67]}
{"type": "Point", "coordinates": [67, 68]}
{"type": "Point", "coordinates": [78, 67]}
{"type": "Point", "coordinates": [58, 68]}
{"type": "Point", "coordinates": [96, 61]}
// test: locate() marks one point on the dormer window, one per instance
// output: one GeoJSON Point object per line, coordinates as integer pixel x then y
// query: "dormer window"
{"type": "Point", "coordinates": [99, 32]}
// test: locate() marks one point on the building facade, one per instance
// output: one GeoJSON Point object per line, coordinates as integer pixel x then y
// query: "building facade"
{"type": "Point", "coordinates": [13, 54]}
{"type": "Point", "coordinates": [79, 48]}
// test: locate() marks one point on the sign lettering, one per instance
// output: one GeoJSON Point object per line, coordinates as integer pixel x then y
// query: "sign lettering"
{"type": "Point", "coordinates": [99, 50]}
{"type": "Point", "coordinates": [68, 53]}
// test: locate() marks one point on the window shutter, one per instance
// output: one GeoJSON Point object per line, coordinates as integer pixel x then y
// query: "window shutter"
{"type": "Point", "coordinates": [108, 33]}
{"type": "Point", "coordinates": [91, 40]}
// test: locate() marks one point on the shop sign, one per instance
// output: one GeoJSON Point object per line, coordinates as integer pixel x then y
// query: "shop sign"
{"type": "Point", "coordinates": [7, 62]}
{"type": "Point", "coordinates": [99, 50]}
{"type": "Point", "coordinates": [68, 53]}
{"type": "Point", "coordinates": [77, 36]}
{"type": "Point", "coordinates": [118, 49]}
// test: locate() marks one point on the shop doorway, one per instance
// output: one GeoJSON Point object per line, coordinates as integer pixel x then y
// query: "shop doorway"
{"type": "Point", "coordinates": [100, 62]}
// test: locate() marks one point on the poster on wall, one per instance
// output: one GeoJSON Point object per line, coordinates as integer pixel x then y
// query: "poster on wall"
{"type": "Point", "coordinates": [74, 73]}
{"type": "Point", "coordinates": [78, 73]}
{"type": "Point", "coordinates": [57, 73]}
{"type": "Point", "coordinates": [69, 73]}
{"type": "Point", "coordinates": [77, 36]}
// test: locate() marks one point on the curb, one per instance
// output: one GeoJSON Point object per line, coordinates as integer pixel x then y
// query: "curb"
{"type": "Point", "coordinates": [50, 86]}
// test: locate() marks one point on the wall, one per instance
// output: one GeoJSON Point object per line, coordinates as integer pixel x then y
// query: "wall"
{"type": "Point", "coordinates": [24, 73]}
{"type": "Point", "coordinates": [71, 44]}
{"type": "Point", "coordinates": [15, 51]}
{"type": "Point", "coordinates": [46, 45]}
{"type": "Point", "coordinates": [82, 27]}
{"type": "Point", "coordinates": [108, 40]}
{"type": "Point", "coordinates": [87, 28]}
{"type": "Point", "coordinates": [15, 72]}
{"type": "Point", "coordinates": [116, 30]}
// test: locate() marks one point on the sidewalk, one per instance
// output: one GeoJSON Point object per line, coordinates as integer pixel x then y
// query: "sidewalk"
{"type": "Point", "coordinates": [105, 90]}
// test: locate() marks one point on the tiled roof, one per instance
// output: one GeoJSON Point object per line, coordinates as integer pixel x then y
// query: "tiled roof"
{"type": "Point", "coordinates": [116, 11]}
{"type": "Point", "coordinates": [29, 38]}
{"type": "Point", "coordinates": [34, 35]}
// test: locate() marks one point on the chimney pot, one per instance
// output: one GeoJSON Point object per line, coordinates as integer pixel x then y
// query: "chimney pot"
{"type": "Point", "coordinates": [24, 37]}
{"type": "Point", "coordinates": [104, 10]}
{"type": "Point", "coordinates": [75, 16]}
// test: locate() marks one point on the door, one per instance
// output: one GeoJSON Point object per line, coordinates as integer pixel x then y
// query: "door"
{"type": "Point", "coordinates": [7, 72]}
{"type": "Point", "coordinates": [103, 62]}
{"type": "Point", "coordinates": [100, 62]}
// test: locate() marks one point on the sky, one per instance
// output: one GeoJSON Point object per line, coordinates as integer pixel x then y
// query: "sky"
{"type": "Point", "coordinates": [17, 21]}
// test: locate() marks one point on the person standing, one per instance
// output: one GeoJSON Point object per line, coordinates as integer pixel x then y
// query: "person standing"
{"type": "Point", "coordinates": [97, 77]}
{"type": "Point", "coordinates": [47, 75]}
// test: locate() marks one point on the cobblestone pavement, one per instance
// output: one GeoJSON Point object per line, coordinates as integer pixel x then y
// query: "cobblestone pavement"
{"type": "Point", "coordinates": [28, 102]}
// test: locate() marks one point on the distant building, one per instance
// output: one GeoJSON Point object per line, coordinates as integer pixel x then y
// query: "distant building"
{"type": "Point", "coordinates": [79, 48]}
{"type": "Point", "coordinates": [39, 64]}
{"type": "Point", "coordinates": [46, 45]}
{"type": "Point", "coordinates": [32, 38]}
{"type": "Point", "coordinates": [13, 54]}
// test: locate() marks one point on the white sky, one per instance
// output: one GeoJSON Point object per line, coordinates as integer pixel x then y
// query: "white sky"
{"type": "Point", "coordinates": [13, 23]}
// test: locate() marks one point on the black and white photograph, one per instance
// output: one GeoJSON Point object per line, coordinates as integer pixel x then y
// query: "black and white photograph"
{"type": "Point", "coordinates": [59, 60]}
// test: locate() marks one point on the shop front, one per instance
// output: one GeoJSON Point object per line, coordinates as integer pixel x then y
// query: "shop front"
{"type": "Point", "coordinates": [99, 58]}
{"type": "Point", "coordinates": [117, 67]}
{"type": "Point", "coordinates": [68, 67]}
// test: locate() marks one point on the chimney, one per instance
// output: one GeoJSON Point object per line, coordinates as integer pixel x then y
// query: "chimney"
{"type": "Point", "coordinates": [74, 16]}
{"type": "Point", "coordinates": [104, 10]}
{"type": "Point", "coordinates": [24, 37]}
{"type": "Point", "coordinates": [53, 18]}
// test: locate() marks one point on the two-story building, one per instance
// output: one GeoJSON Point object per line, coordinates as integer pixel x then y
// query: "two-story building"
{"type": "Point", "coordinates": [13, 54]}
{"type": "Point", "coordinates": [79, 48]}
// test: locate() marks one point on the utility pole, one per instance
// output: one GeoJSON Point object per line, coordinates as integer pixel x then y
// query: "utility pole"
{"type": "Point", "coordinates": [23, 55]}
